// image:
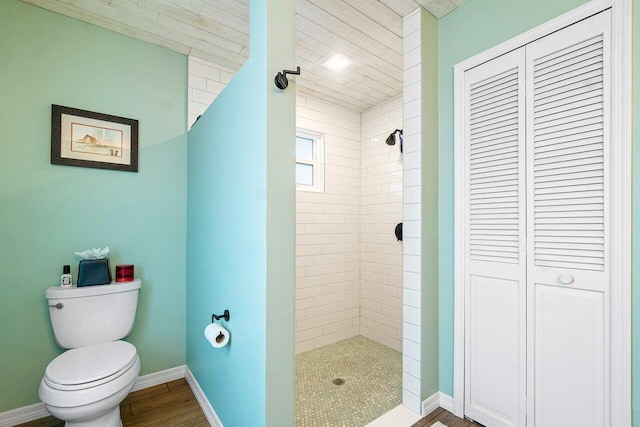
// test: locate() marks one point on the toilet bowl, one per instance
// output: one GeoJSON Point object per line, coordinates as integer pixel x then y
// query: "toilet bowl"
{"type": "Point", "coordinates": [85, 385]}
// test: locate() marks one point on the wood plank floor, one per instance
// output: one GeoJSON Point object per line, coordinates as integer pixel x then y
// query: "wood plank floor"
{"type": "Point", "coordinates": [446, 418]}
{"type": "Point", "coordinates": [173, 404]}
{"type": "Point", "coordinates": [170, 404]}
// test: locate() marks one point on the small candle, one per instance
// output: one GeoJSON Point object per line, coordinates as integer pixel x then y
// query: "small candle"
{"type": "Point", "coordinates": [124, 273]}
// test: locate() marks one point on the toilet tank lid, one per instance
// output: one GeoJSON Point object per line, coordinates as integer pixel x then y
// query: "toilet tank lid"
{"type": "Point", "coordinates": [56, 292]}
{"type": "Point", "coordinates": [90, 363]}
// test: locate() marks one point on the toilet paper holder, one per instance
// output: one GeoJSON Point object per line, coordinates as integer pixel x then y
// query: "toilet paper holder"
{"type": "Point", "coordinates": [224, 316]}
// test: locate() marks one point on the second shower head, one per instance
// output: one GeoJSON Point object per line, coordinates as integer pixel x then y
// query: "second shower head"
{"type": "Point", "coordinates": [393, 136]}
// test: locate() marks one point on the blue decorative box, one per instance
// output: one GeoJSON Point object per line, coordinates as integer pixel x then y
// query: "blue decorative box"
{"type": "Point", "coordinates": [94, 272]}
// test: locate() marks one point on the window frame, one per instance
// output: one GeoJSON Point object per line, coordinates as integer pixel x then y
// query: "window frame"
{"type": "Point", "coordinates": [317, 163]}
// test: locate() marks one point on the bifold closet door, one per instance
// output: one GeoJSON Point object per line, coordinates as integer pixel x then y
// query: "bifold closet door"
{"type": "Point", "coordinates": [537, 271]}
{"type": "Point", "coordinates": [568, 267]}
{"type": "Point", "coordinates": [495, 287]}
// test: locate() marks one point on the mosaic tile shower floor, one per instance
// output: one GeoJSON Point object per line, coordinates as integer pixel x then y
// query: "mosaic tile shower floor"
{"type": "Point", "coordinates": [372, 375]}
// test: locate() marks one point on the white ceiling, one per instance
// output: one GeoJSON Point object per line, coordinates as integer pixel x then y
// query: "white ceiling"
{"type": "Point", "coordinates": [368, 32]}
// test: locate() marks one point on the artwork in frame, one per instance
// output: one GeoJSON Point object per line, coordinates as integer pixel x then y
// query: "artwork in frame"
{"type": "Point", "coordinates": [93, 140]}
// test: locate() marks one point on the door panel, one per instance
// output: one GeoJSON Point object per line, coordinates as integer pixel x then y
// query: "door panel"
{"type": "Point", "coordinates": [495, 317]}
{"type": "Point", "coordinates": [573, 122]}
{"type": "Point", "coordinates": [494, 358]}
{"type": "Point", "coordinates": [567, 229]}
{"type": "Point", "coordinates": [569, 362]}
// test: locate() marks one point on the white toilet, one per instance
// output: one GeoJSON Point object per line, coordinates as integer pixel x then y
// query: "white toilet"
{"type": "Point", "coordinates": [85, 385]}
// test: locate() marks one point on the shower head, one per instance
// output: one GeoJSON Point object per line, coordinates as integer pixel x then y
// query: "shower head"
{"type": "Point", "coordinates": [281, 80]}
{"type": "Point", "coordinates": [391, 139]}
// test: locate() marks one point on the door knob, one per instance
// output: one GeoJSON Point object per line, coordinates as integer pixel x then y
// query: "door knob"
{"type": "Point", "coordinates": [566, 278]}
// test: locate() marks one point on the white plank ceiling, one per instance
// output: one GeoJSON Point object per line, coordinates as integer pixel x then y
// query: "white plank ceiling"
{"type": "Point", "coordinates": [367, 32]}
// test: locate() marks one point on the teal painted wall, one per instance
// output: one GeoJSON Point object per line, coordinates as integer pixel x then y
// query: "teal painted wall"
{"type": "Point", "coordinates": [225, 248]}
{"type": "Point", "coordinates": [240, 233]}
{"type": "Point", "coordinates": [471, 29]}
{"type": "Point", "coordinates": [47, 211]}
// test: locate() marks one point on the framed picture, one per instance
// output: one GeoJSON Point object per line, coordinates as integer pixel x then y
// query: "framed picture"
{"type": "Point", "coordinates": [93, 140]}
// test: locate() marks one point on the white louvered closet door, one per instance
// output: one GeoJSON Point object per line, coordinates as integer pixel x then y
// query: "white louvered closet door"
{"type": "Point", "coordinates": [495, 287]}
{"type": "Point", "coordinates": [537, 269]}
{"type": "Point", "coordinates": [568, 286]}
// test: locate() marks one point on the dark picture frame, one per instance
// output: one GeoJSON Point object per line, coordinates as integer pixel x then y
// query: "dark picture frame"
{"type": "Point", "coordinates": [93, 140]}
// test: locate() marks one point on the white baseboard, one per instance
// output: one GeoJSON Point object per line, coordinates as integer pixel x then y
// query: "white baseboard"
{"type": "Point", "coordinates": [208, 410]}
{"type": "Point", "coordinates": [437, 400]}
{"type": "Point", "coordinates": [160, 377]}
{"type": "Point", "coordinates": [37, 410]}
{"type": "Point", "coordinates": [431, 403]}
{"type": "Point", "coordinates": [23, 415]}
{"type": "Point", "coordinates": [446, 402]}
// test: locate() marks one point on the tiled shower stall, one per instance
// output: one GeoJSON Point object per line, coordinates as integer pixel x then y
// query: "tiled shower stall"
{"type": "Point", "coordinates": [348, 261]}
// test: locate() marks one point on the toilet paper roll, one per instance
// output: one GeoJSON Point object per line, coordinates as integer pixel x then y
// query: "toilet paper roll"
{"type": "Point", "coordinates": [217, 335]}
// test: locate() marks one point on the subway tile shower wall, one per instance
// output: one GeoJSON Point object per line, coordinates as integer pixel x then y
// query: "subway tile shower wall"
{"type": "Point", "coordinates": [328, 231]}
{"type": "Point", "coordinates": [206, 81]}
{"type": "Point", "coordinates": [381, 210]}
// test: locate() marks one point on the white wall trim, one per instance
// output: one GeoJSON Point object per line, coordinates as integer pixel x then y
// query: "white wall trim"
{"type": "Point", "coordinates": [459, 242]}
{"type": "Point", "coordinates": [446, 402]}
{"type": "Point", "coordinates": [435, 401]}
{"type": "Point", "coordinates": [160, 377]}
{"type": "Point", "coordinates": [208, 410]}
{"type": "Point", "coordinates": [622, 199]}
{"type": "Point", "coordinates": [431, 403]}
{"type": "Point", "coordinates": [621, 116]}
{"type": "Point", "coordinates": [23, 415]}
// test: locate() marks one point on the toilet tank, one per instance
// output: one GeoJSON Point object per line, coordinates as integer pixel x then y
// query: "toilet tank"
{"type": "Point", "coordinates": [92, 314]}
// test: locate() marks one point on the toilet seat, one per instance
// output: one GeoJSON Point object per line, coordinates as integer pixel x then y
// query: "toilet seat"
{"type": "Point", "coordinates": [90, 366]}
{"type": "Point", "coordinates": [89, 395]}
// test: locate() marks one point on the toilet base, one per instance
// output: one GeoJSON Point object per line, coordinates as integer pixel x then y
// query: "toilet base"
{"type": "Point", "coordinates": [109, 419]}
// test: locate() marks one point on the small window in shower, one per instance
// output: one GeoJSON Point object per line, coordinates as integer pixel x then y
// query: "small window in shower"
{"type": "Point", "coordinates": [309, 161]}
